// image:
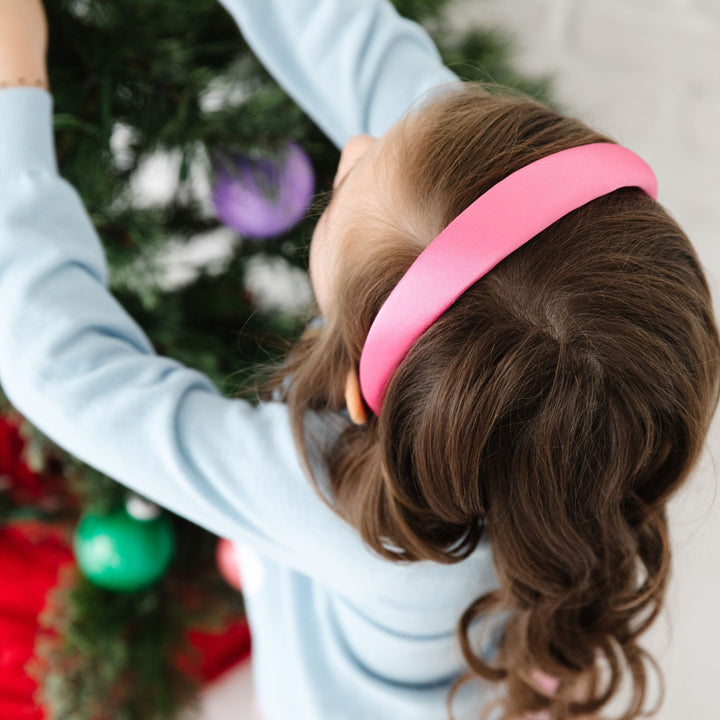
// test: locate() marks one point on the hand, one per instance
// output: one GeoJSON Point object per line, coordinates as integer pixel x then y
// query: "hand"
{"type": "Point", "coordinates": [23, 42]}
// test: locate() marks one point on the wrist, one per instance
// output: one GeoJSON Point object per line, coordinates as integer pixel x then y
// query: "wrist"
{"type": "Point", "coordinates": [25, 82]}
{"type": "Point", "coordinates": [18, 71]}
{"type": "Point", "coordinates": [21, 63]}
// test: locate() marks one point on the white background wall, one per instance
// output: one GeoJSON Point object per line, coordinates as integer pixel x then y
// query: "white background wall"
{"type": "Point", "coordinates": [646, 72]}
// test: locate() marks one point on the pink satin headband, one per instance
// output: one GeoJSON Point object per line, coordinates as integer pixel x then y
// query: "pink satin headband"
{"type": "Point", "coordinates": [497, 223]}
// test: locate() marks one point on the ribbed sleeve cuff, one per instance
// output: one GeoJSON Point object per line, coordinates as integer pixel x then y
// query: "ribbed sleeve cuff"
{"type": "Point", "coordinates": [27, 142]}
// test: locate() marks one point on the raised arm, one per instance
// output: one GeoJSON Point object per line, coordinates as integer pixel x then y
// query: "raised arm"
{"type": "Point", "coordinates": [354, 66]}
{"type": "Point", "coordinates": [80, 369]}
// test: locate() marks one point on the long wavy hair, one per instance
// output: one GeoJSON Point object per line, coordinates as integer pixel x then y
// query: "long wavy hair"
{"type": "Point", "coordinates": [557, 405]}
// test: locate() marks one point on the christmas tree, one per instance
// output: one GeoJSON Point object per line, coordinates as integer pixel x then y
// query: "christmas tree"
{"type": "Point", "coordinates": [141, 87]}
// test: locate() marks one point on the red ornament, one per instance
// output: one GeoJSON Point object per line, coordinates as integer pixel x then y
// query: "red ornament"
{"type": "Point", "coordinates": [227, 563]}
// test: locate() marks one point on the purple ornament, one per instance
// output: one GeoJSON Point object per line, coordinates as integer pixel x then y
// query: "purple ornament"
{"type": "Point", "coordinates": [263, 197]}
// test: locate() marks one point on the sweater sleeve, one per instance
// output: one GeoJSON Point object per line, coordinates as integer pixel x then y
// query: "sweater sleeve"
{"type": "Point", "coordinates": [354, 66]}
{"type": "Point", "coordinates": [75, 363]}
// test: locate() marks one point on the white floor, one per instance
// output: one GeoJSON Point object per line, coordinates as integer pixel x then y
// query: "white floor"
{"type": "Point", "coordinates": [647, 72]}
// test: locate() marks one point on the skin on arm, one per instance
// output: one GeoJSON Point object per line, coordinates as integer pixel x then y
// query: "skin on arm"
{"type": "Point", "coordinates": [23, 43]}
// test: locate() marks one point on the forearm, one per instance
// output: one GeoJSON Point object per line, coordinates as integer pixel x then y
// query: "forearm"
{"type": "Point", "coordinates": [354, 66]}
{"type": "Point", "coordinates": [23, 43]}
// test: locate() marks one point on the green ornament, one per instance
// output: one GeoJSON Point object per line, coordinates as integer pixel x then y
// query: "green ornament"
{"type": "Point", "coordinates": [123, 553]}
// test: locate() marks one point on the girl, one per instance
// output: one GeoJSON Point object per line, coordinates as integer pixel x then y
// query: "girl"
{"type": "Point", "coordinates": [463, 470]}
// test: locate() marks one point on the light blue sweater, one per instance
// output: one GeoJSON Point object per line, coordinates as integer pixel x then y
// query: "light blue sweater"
{"type": "Point", "coordinates": [338, 632]}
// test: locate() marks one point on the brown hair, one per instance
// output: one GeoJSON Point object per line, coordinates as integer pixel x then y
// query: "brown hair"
{"type": "Point", "coordinates": [557, 405]}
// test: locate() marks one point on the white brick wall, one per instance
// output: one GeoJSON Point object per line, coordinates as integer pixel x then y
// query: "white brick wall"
{"type": "Point", "coordinates": [647, 72]}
